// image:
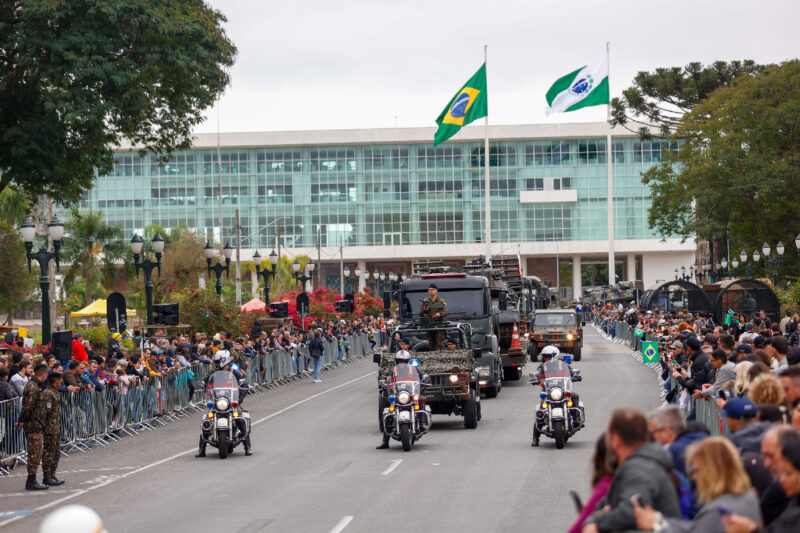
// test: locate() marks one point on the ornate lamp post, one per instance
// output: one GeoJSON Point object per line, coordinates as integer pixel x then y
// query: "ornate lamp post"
{"type": "Point", "coordinates": [266, 273]}
{"type": "Point", "coordinates": [357, 272]}
{"type": "Point", "coordinates": [750, 268]}
{"type": "Point", "coordinates": [724, 264]}
{"type": "Point", "coordinates": [147, 266]}
{"type": "Point", "coordinates": [219, 268]}
{"type": "Point", "coordinates": [306, 276]}
{"type": "Point", "coordinates": [773, 261]}
{"type": "Point", "coordinates": [735, 265]}
{"type": "Point", "coordinates": [55, 232]}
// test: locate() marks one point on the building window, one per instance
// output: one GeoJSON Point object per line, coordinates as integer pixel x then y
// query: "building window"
{"type": "Point", "coordinates": [548, 184]}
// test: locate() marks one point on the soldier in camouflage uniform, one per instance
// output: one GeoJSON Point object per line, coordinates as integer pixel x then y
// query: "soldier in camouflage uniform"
{"type": "Point", "coordinates": [51, 419]}
{"type": "Point", "coordinates": [432, 311]}
{"type": "Point", "coordinates": [30, 419]}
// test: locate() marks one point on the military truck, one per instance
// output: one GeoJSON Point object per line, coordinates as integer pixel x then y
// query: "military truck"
{"type": "Point", "coordinates": [454, 385]}
{"type": "Point", "coordinates": [557, 327]}
{"type": "Point", "coordinates": [468, 301]}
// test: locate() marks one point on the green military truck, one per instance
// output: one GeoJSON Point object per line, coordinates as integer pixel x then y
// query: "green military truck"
{"type": "Point", "coordinates": [557, 327]}
{"type": "Point", "coordinates": [453, 387]}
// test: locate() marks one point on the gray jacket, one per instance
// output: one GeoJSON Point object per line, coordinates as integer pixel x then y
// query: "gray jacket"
{"type": "Point", "coordinates": [709, 519]}
{"type": "Point", "coordinates": [748, 439]}
{"type": "Point", "coordinates": [725, 373]}
{"type": "Point", "coordinates": [646, 473]}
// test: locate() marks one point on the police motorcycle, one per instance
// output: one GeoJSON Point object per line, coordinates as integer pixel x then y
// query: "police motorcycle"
{"type": "Point", "coordinates": [560, 413]}
{"type": "Point", "coordinates": [406, 418]}
{"type": "Point", "coordinates": [226, 424]}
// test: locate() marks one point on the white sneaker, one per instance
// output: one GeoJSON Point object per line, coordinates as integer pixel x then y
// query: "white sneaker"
{"type": "Point", "coordinates": [317, 381]}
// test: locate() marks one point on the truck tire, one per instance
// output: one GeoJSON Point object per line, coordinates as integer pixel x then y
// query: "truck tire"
{"type": "Point", "coordinates": [381, 406]}
{"type": "Point", "coordinates": [558, 433]}
{"type": "Point", "coordinates": [405, 437]}
{"type": "Point", "coordinates": [533, 350]}
{"type": "Point", "coordinates": [222, 444]}
{"type": "Point", "coordinates": [471, 413]}
{"type": "Point", "coordinates": [494, 390]}
{"type": "Point", "coordinates": [576, 352]}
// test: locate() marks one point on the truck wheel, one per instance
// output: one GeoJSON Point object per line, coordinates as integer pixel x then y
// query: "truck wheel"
{"type": "Point", "coordinates": [381, 406]}
{"type": "Point", "coordinates": [558, 433]}
{"type": "Point", "coordinates": [576, 352]}
{"type": "Point", "coordinates": [471, 413]}
{"type": "Point", "coordinates": [405, 437]}
{"type": "Point", "coordinates": [491, 392]}
{"type": "Point", "coordinates": [534, 352]}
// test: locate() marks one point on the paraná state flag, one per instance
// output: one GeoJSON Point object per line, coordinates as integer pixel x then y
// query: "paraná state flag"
{"type": "Point", "coordinates": [584, 87]}
{"type": "Point", "coordinates": [468, 104]}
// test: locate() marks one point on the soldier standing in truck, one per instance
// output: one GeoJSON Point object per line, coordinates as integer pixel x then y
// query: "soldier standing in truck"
{"type": "Point", "coordinates": [433, 310]}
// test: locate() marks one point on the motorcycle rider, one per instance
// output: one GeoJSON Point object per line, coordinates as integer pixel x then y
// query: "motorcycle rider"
{"type": "Point", "coordinates": [400, 358]}
{"type": "Point", "coordinates": [224, 361]}
{"type": "Point", "coordinates": [548, 353]}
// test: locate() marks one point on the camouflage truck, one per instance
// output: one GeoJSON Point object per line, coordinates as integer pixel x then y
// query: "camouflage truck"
{"type": "Point", "coordinates": [557, 327]}
{"type": "Point", "coordinates": [453, 387]}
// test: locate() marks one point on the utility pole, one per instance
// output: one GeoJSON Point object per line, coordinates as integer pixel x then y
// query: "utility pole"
{"type": "Point", "coordinates": [219, 178]}
{"type": "Point", "coordinates": [238, 266]}
{"type": "Point", "coordinates": [341, 268]}
{"type": "Point", "coordinates": [319, 256]}
{"type": "Point", "coordinates": [51, 272]}
{"type": "Point", "coordinates": [278, 246]}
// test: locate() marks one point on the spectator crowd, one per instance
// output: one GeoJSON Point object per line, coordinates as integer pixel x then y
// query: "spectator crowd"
{"type": "Point", "coordinates": [664, 471]}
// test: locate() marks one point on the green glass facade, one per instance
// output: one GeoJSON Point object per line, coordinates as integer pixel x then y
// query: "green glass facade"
{"type": "Point", "coordinates": [393, 194]}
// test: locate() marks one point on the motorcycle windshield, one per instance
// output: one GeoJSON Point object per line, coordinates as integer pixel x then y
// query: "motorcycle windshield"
{"type": "Point", "coordinates": [406, 378]}
{"type": "Point", "coordinates": [223, 384]}
{"type": "Point", "coordinates": [557, 374]}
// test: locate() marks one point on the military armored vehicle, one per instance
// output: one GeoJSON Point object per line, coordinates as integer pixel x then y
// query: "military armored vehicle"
{"type": "Point", "coordinates": [454, 385]}
{"type": "Point", "coordinates": [557, 327]}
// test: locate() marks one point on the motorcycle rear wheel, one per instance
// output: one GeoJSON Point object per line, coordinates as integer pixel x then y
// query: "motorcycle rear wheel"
{"type": "Point", "coordinates": [405, 437]}
{"type": "Point", "coordinates": [222, 444]}
{"type": "Point", "coordinates": [558, 433]}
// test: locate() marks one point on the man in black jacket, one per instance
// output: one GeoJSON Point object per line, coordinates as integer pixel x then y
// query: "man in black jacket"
{"type": "Point", "coordinates": [700, 366]}
{"type": "Point", "coordinates": [644, 470]}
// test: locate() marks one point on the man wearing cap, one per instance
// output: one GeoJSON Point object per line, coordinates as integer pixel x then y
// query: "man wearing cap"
{"type": "Point", "coordinates": [746, 433]}
{"type": "Point", "coordinates": [51, 420]}
{"type": "Point", "coordinates": [677, 352]}
{"type": "Point", "coordinates": [78, 350]}
{"type": "Point", "coordinates": [434, 309]}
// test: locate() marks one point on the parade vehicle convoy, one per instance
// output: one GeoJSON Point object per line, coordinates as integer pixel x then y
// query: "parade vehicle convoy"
{"type": "Point", "coordinates": [452, 384]}
{"type": "Point", "coordinates": [468, 301]}
{"type": "Point", "coordinates": [557, 327]}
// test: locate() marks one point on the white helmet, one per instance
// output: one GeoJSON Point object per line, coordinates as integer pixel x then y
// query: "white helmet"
{"type": "Point", "coordinates": [223, 358]}
{"type": "Point", "coordinates": [402, 356]}
{"type": "Point", "coordinates": [550, 351]}
{"type": "Point", "coordinates": [72, 519]}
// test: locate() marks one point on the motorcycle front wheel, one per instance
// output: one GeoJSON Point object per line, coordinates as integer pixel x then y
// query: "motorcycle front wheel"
{"type": "Point", "coordinates": [222, 444]}
{"type": "Point", "coordinates": [558, 433]}
{"type": "Point", "coordinates": [405, 437]}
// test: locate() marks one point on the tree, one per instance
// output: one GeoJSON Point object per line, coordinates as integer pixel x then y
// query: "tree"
{"type": "Point", "coordinates": [737, 170]}
{"type": "Point", "coordinates": [14, 206]}
{"type": "Point", "coordinates": [78, 78]}
{"type": "Point", "coordinates": [182, 263]}
{"type": "Point", "coordinates": [16, 283]}
{"type": "Point", "coordinates": [663, 97]}
{"type": "Point", "coordinates": [87, 236]}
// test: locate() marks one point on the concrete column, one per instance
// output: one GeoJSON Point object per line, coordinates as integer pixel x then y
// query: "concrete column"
{"type": "Point", "coordinates": [631, 274]}
{"type": "Point", "coordinates": [362, 278]}
{"type": "Point", "coordinates": [254, 286]}
{"type": "Point", "coordinates": [577, 290]}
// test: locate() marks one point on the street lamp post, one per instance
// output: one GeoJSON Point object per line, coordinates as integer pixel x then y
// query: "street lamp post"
{"type": "Point", "coordinates": [147, 266]}
{"type": "Point", "coordinates": [735, 264]}
{"type": "Point", "coordinates": [266, 273]}
{"type": "Point", "coordinates": [773, 261]}
{"type": "Point", "coordinates": [306, 276]}
{"type": "Point", "coordinates": [357, 272]}
{"type": "Point", "coordinates": [219, 268]}
{"type": "Point", "coordinates": [55, 232]}
{"type": "Point", "coordinates": [750, 268]}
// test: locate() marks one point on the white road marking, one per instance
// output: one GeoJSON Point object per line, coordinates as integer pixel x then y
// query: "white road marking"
{"type": "Point", "coordinates": [82, 470]}
{"type": "Point", "coordinates": [342, 524]}
{"type": "Point", "coordinates": [395, 464]}
{"type": "Point", "coordinates": [187, 452]}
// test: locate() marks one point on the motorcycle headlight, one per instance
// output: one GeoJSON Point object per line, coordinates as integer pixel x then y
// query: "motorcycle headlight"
{"type": "Point", "coordinates": [222, 404]}
{"type": "Point", "coordinates": [556, 394]}
{"type": "Point", "coordinates": [404, 397]}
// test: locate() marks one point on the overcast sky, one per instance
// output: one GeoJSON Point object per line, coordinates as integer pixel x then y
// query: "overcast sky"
{"type": "Point", "coordinates": [341, 64]}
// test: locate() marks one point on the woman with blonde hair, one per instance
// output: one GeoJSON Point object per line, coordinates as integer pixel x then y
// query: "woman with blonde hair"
{"type": "Point", "coordinates": [766, 390]}
{"type": "Point", "coordinates": [716, 469]}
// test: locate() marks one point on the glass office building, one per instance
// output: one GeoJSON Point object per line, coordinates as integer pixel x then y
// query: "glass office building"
{"type": "Point", "coordinates": [390, 196]}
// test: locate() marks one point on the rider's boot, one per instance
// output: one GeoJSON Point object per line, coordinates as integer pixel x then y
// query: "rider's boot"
{"type": "Point", "coordinates": [202, 448]}
{"type": "Point", "coordinates": [385, 443]}
{"type": "Point", "coordinates": [535, 441]}
{"type": "Point", "coordinates": [247, 446]}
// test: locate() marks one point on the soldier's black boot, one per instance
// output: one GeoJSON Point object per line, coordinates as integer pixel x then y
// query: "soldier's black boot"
{"type": "Point", "coordinates": [247, 446]}
{"type": "Point", "coordinates": [32, 484]}
{"type": "Point", "coordinates": [535, 441]}
{"type": "Point", "coordinates": [52, 481]}
{"type": "Point", "coordinates": [385, 443]}
{"type": "Point", "coordinates": [202, 449]}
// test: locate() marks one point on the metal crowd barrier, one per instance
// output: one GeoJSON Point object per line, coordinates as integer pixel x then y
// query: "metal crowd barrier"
{"type": "Point", "coordinates": [709, 414]}
{"type": "Point", "coordinates": [97, 418]}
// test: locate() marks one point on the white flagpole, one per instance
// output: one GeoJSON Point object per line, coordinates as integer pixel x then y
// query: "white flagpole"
{"type": "Point", "coordinates": [486, 158]}
{"type": "Point", "coordinates": [610, 180]}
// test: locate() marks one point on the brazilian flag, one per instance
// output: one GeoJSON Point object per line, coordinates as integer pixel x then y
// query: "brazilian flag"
{"type": "Point", "coordinates": [469, 103]}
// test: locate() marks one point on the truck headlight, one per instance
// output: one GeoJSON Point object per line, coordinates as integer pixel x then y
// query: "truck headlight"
{"type": "Point", "coordinates": [484, 371]}
{"type": "Point", "coordinates": [453, 378]}
{"type": "Point", "coordinates": [570, 337]}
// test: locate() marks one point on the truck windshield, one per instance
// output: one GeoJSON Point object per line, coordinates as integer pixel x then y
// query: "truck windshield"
{"type": "Point", "coordinates": [461, 303]}
{"type": "Point", "coordinates": [553, 319]}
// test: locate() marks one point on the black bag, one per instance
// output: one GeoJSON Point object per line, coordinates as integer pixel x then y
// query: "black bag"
{"type": "Point", "coordinates": [316, 353]}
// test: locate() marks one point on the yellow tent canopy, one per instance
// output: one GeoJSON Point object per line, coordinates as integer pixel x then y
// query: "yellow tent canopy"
{"type": "Point", "coordinates": [97, 308]}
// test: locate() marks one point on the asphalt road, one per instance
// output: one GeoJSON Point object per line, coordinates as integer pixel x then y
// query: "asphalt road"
{"type": "Point", "coordinates": [315, 468]}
